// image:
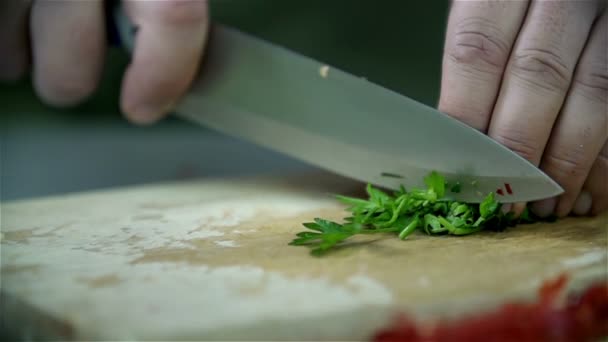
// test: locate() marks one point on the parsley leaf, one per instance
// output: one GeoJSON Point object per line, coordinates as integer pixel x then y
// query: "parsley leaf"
{"type": "Point", "coordinates": [329, 234]}
{"type": "Point", "coordinates": [436, 183]}
{"type": "Point", "coordinates": [488, 207]}
{"type": "Point", "coordinates": [403, 212]}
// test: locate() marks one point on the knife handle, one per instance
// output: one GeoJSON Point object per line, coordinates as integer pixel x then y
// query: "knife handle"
{"type": "Point", "coordinates": [121, 32]}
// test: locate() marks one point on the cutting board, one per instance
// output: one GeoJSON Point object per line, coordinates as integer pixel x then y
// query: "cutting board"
{"type": "Point", "coordinates": [209, 260]}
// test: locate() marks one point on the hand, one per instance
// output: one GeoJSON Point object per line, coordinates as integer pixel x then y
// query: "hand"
{"type": "Point", "coordinates": [67, 42]}
{"type": "Point", "coordinates": [533, 75]}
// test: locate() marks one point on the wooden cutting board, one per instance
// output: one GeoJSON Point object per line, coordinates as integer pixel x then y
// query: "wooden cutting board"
{"type": "Point", "coordinates": [210, 259]}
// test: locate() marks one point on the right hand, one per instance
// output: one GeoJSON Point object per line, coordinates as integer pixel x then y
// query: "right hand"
{"type": "Point", "coordinates": [64, 43]}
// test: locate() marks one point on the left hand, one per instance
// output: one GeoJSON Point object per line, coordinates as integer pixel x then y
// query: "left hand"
{"type": "Point", "coordinates": [533, 75]}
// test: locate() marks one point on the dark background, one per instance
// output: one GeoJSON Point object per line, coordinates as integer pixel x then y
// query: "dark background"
{"type": "Point", "coordinates": [397, 44]}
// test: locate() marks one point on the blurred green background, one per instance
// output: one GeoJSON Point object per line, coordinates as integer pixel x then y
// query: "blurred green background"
{"type": "Point", "coordinates": [397, 44]}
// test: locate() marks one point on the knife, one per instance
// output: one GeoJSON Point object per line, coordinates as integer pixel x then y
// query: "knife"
{"type": "Point", "coordinates": [265, 94]}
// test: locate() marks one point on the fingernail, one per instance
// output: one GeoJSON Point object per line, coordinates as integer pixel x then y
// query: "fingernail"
{"type": "Point", "coordinates": [506, 208]}
{"type": "Point", "coordinates": [545, 207]}
{"type": "Point", "coordinates": [583, 204]}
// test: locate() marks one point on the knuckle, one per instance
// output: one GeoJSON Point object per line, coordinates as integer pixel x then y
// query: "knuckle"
{"type": "Point", "coordinates": [592, 82]}
{"type": "Point", "coordinates": [542, 68]}
{"type": "Point", "coordinates": [183, 12]}
{"type": "Point", "coordinates": [567, 164]}
{"type": "Point", "coordinates": [478, 42]}
{"type": "Point", "coordinates": [518, 143]}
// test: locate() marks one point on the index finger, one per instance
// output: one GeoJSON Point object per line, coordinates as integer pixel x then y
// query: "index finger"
{"type": "Point", "coordinates": [479, 38]}
{"type": "Point", "coordinates": [170, 40]}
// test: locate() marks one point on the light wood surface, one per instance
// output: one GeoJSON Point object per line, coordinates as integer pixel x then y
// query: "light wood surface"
{"type": "Point", "coordinates": [210, 259]}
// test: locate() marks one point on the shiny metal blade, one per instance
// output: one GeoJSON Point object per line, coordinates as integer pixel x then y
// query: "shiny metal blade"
{"type": "Point", "coordinates": [262, 93]}
{"type": "Point", "coordinates": [268, 95]}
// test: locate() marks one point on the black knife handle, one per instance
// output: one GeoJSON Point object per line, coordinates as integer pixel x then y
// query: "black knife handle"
{"type": "Point", "coordinates": [121, 32]}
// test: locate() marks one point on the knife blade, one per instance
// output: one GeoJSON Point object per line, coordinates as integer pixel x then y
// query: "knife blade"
{"type": "Point", "coordinates": [268, 95]}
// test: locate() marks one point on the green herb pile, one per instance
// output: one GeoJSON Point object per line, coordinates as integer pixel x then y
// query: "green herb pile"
{"type": "Point", "coordinates": [405, 212]}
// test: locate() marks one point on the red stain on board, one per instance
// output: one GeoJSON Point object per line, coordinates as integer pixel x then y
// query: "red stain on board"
{"type": "Point", "coordinates": [508, 187]}
{"type": "Point", "coordinates": [499, 191]}
{"type": "Point", "coordinates": [580, 317]}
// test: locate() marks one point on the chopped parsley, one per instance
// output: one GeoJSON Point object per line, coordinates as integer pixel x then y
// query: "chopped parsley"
{"type": "Point", "coordinates": [403, 212]}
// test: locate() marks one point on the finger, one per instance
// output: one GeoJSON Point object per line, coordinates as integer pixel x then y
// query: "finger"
{"type": "Point", "coordinates": [538, 74]}
{"type": "Point", "coordinates": [170, 40]}
{"type": "Point", "coordinates": [479, 38]}
{"type": "Point", "coordinates": [581, 129]}
{"type": "Point", "coordinates": [597, 183]}
{"type": "Point", "coordinates": [14, 39]}
{"type": "Point", "coordinates": [518, 208]}
{"type": "Point", "coordinates": [68, 42]}
{"type": "Point", "coordinates": [583, 204]}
